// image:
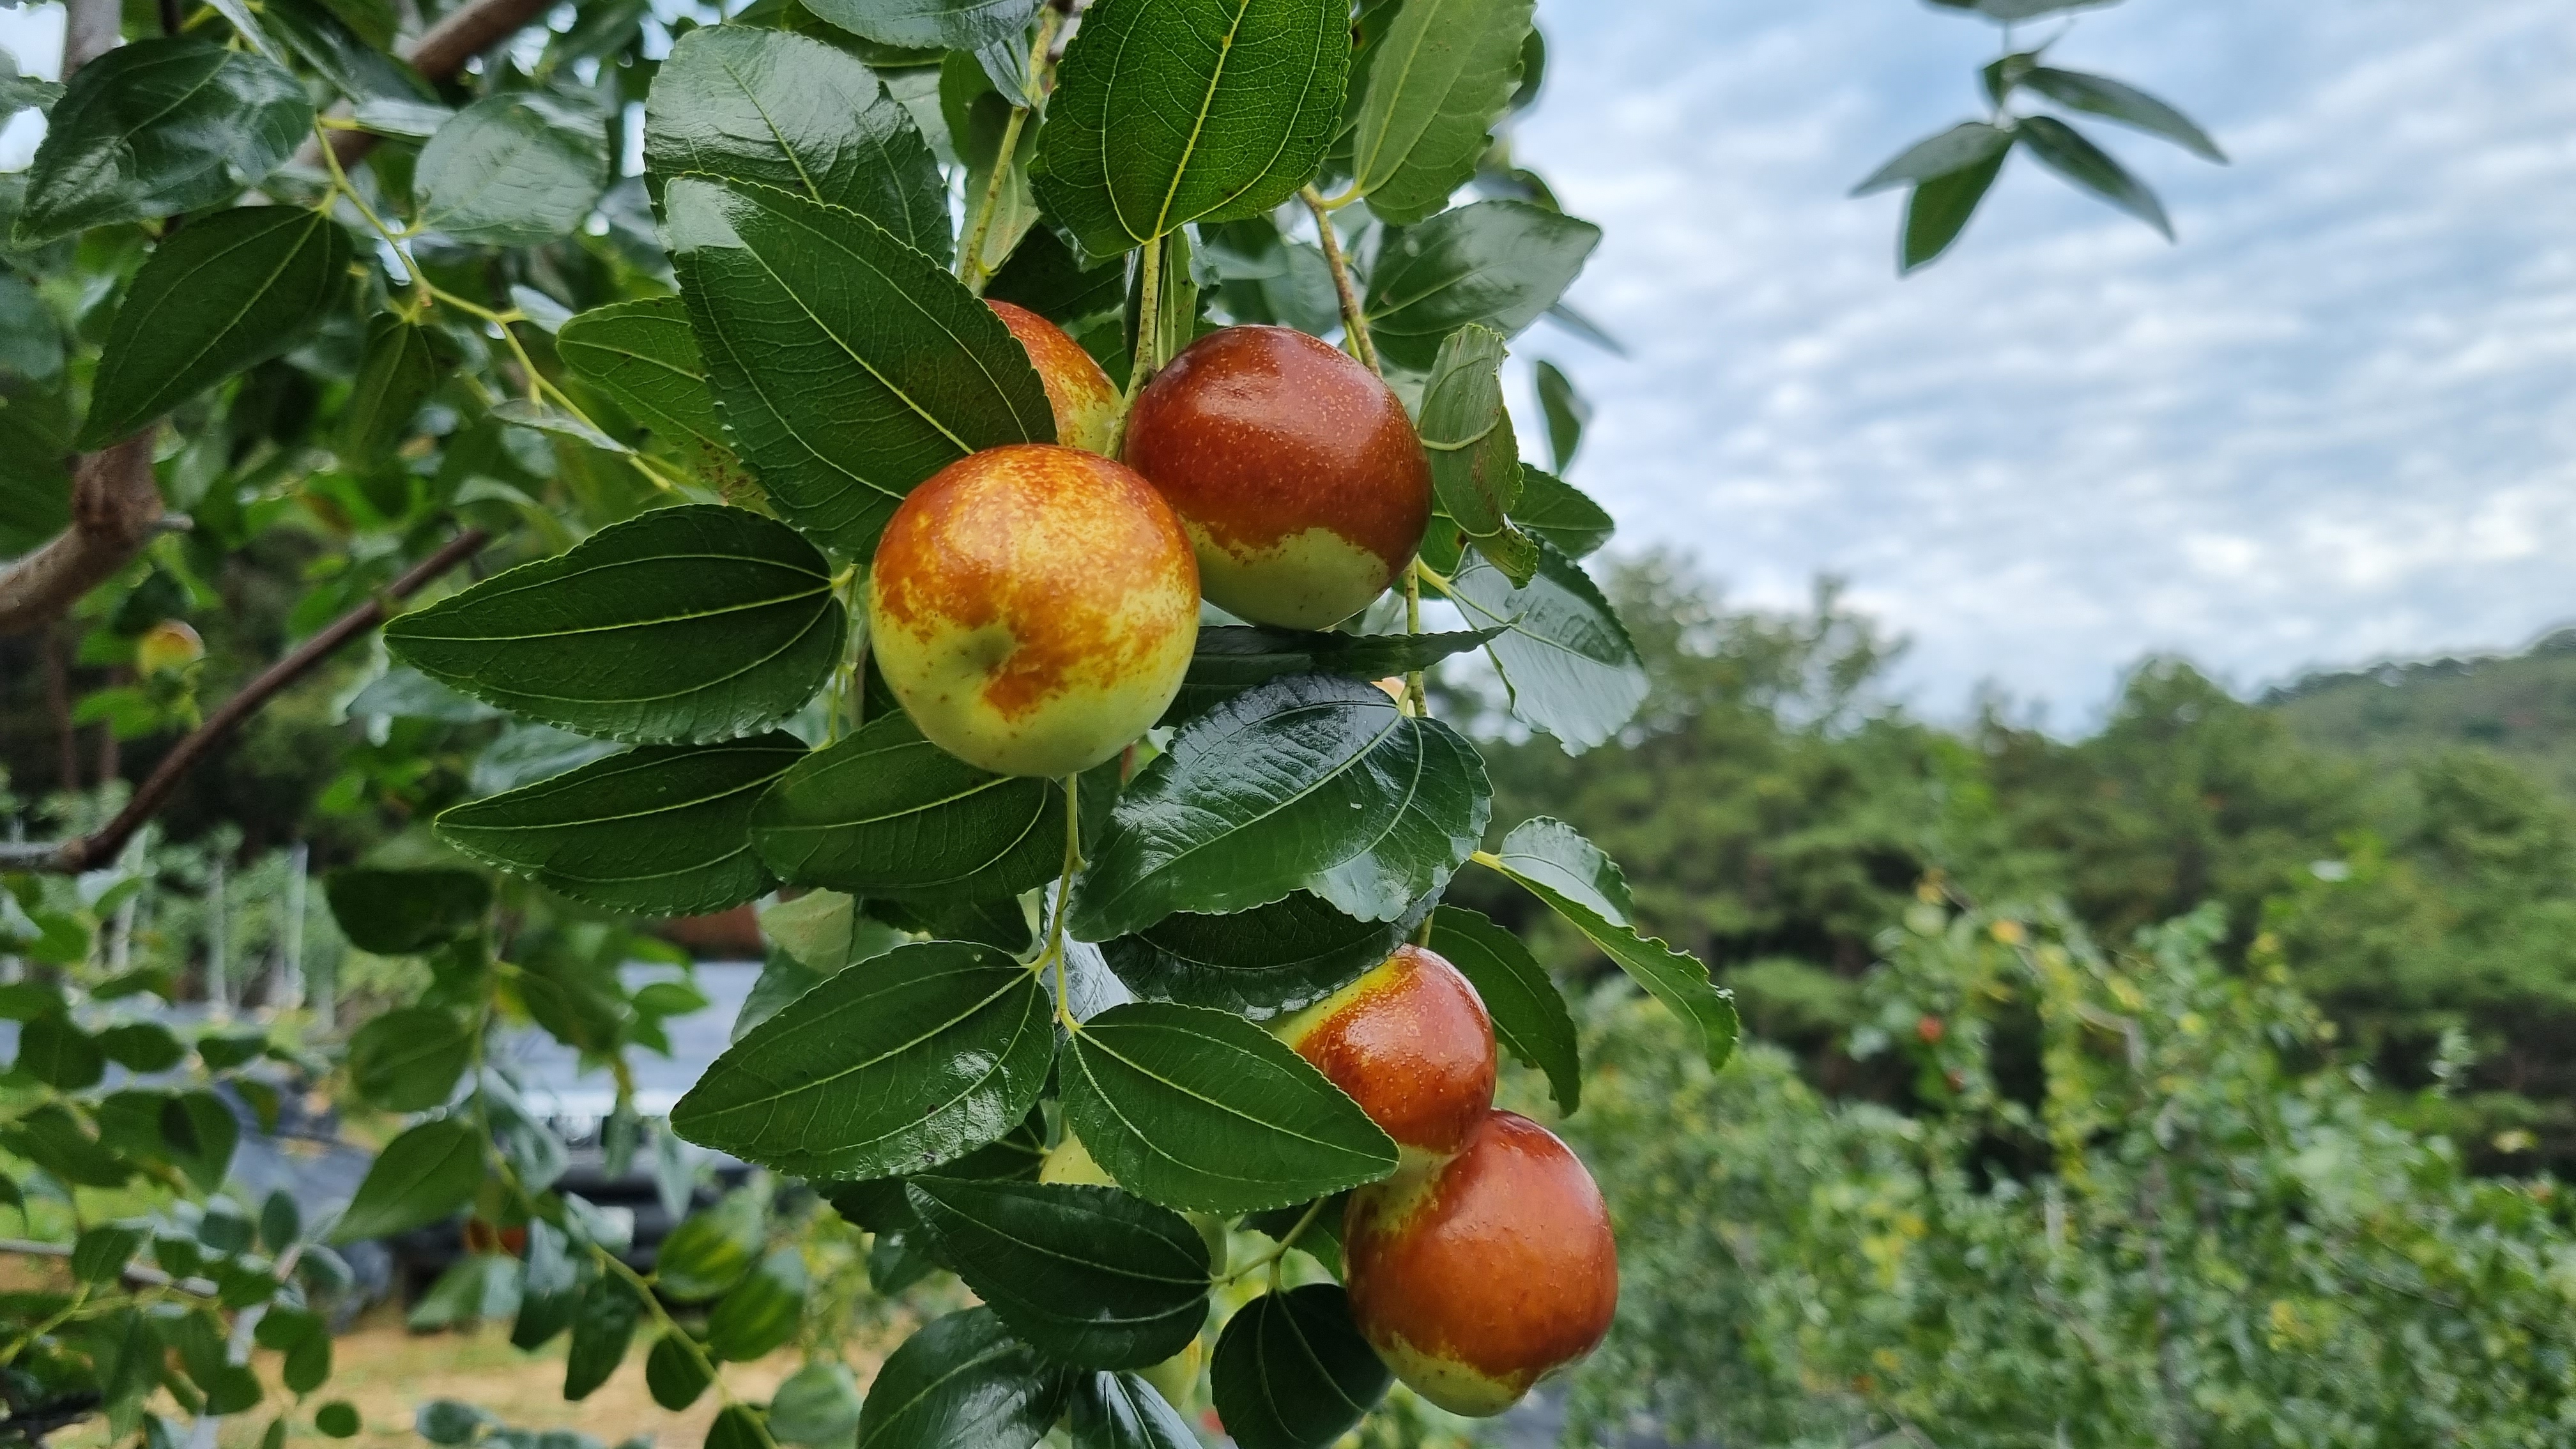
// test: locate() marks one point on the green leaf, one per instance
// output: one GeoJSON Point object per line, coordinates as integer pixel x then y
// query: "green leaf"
{"type": "Point", "coordinates": [1261, 963]}
{"type": "Point", "coordinates": [59, 1054]}
{"type": "Point", "coordinates": [930, 24]}
{"type": "Point", "coordinates": [1529, 1014]}
{"type": "Point", "coordinates": [403, 365]}
{"type": "Point", "coordinates": [423, 1176]}
{"type": "Point", "coordinates": [1122, 1411]}
{"type": "Point", "coordinates": [99, 1254]}
{"type": "Point", "coordinates": [54, 1140]}
{"type": "Point", "coordinates": [602, 1327]}
{"type": "Point", "coordinates": [710, 1250]}
{"type": "Point", "coordinates": [962, 1381]}
{"type": "Point", "coordinates": [448, 1422]}
{"type": "Point", "coordinates": [352, 63]}
{"type": "Point", "coordinates": [1201, 1110]}
{"type": "Point", "coordinates": [405, 912]}
{"type": "Point", "coordinates": [1173, 111]}
{"type": "Point", "coordinates": [673, 1372]}
{"type": "Point", "coordinates": [2103, 96]}
{"type": "Point", "coordinates": [818, 1406]}
{"type": "Point", "coordinates": [1553, 861]}
{"type": "Point", "coordinates": [1091, 1276]}
{"type": "Point", "coordinates": [517, 169]}
{"type": "Point", "coordinates": [551, 1291]}
{"type": "Point", "coordinates": [192, 1131]}
{"type": "Point", "coordinates": [19, 91]}
{"type": "Point", "coordinates": [887, 813]}
{"type": "Point", "coordinates": [663, 830]}
{"type": "Point", "coordinates": [1560, 513]}
{"type": "Point", "coordinates": [2066, 151]}
{"type": "Point", "coordinates": [409, 1059]}
{"type": "Point", "coordinates": [1231, 658]}
{"type": "Point", "coordinates": [762, 1311]}
{"type": "Point", "coordinates": [141, 1046]}
{"type": "Point", "coordinates": [1566, 659]}
{"type": "Point", "coordinates": [1291, 1370]}
{"type": "Point", "coordinates": [644, 357]}
{"type": "Point", "coordinates": [1444, 72]}
{"type": "Point", "coordinates": [1964, 147]}
{"type": "Point", "coordinates": [850, 366]}
{"type": "Point", "coordinates": [1308, 782]}
{"type": "Point", "coordinates": [225, 292]}
{"type": "Point", "coordinates": [156, 128]}
{"type": "Point", "coordinates": [932, 1051]}
{"type": "Point", "coordinates": [1939, 210]}
{"type": "Point", "coordinates": [1501, 263]}
{"type": "Point", "coordinates": [337, 1419]}
{"type": "Point", "coordinates": [1475, 459]}
{"type": "Point", "coordinates": [684, 624]}
{"type": "Point", "coordinates": [1567, 413]}
{"type": "Point", "coordinates": [771, 108]}
{"type": "Point", "coordinates": [1045, 276]}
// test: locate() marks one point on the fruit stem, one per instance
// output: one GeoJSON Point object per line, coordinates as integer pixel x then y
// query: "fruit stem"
{"type": "Point", "coordinates": [1270, 1260]}
{"type": "Point", "coordinates": [1054, 952]}
{"type": "Point", "coordinates": [1355, 333]}
{"type": "Point", "coordinates": [1149, 325]}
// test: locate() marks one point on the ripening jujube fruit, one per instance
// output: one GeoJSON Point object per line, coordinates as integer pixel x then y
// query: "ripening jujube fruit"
{"type": "Point", "coordinates": [1411, 1043]}
{"type": "Point", "coordinates": [1475, 1278]}
{"type": "Point", "coordinates": [1079, 394]}
{"type": "Point", "coordinates": [167, 647]}
{"type": "Point", "coordinates": [1300, 479]}
{"type": "Point", "coordinates": [1033, 607]}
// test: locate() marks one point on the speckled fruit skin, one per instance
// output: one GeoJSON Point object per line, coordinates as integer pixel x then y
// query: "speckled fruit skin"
{"type": "Point", "coordinates": [1034, 608]}
{"type": "Point", "coordinates": [1476, 1278]}
{"type": "Point", "coordinates": [1300, 479]}
{"type": "Point", "coordinates": [1078, 392]}
{"type": "Point", "coordinates": [1410, 1041]}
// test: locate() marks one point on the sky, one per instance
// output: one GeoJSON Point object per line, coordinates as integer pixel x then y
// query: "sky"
{"type": "Point", "coordinates": [2337, 423]}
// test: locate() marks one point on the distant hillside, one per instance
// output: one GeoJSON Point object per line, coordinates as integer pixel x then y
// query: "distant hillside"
{"type": "Point", "coordinates": [2523, 705]}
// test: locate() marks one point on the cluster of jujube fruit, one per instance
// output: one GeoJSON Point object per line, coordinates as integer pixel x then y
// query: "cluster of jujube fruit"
{"type": "Point", "coordinates": [1034, 609]}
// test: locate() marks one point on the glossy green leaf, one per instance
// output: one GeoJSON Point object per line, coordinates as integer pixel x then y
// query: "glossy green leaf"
{"type": "Point", "coordinates": [685, 624]}
{"type": "Point", "coordinates": [887, 813]}
{"type": "Point", "coordinates": [674, 1373]}
{"type": "Point", "coordinates": [2114, 100]}
{"type": "Point", "coordinates": [1308, 782]}
{"type": "Point", "coordinates": [1566, 659]}
{"type": "Point", "coordinates": [223, 293]}
{"type": "Point", "coordinates": [602, 1326]}
{"type": "Point", "coordinates": [1122, 1411]}
{"type": "Point", "coordinates": [1440, 78]}
{"type": "Point", "coordinates": [710, 1250]}
{"type": "Point", "coordinates": [141, 1046]}
{"type": "Point", "coordinates": [1475, 459]}
{"type": "Point", "coordinates": [2066, 151]}
{"type": "Point", "coordinates": [1291, 1370]}
{"type": "Point", "coordinates": [20, 91]}
{"type": "Point", "coordinates": [1232, 658]}
{"type": "Point", "coordinates": [1501, 263]}
{"type": "Point", "coordinates": [354, 65]}
{"type": "Point", "coordinates": [761, 1312]}
{"type": "Point", "coordinates": [1045, 276]}
{"type": "Point", "coordinates": [1173, 111]}
{"type": "Point", "coordinates": [643, 355]}
{"type": "Point", "coordinates": [516, 169]}
{"type": "Point", "coordinates": [1560, 513]}
{"type": "Point", "coordinates": [661, 830]}
{"type": "Point", "coordinates": [1091, 1276]}
{"type": "Point", "coordinates": [54, 1051]}
{"type": "Point", "coordinates": [403, 365]}
{"type": "Point", "coordinates": [1566, 411]}
{"type": "Point", "coordinates": [964, 1380]}
{"type": "Point", "coordinates": [1940, 208]}
{"type": "Point", "coordinates": [1201, 1110]}
{"type": "Point", "coordinates": [1530, 1019]}
{"type": "Point", "coordinates": [772, 108]}
{"type": "Point", "coordinates": [158, 127]}
{"type": "Point", "coordinates": [818, 1406]}
{"type": "Point", "coordinates": [929, 1053]}
{"type": "Point", "coordinates": [423, 1176]}
{"type": "Point", "coordinates": [1553, 861]}
{"type": "Point", "coordinates": [1964, 147]}
{"type": "Point", "coordinates": [1260, 963]}
{"type": "Point", "coordinates": [404, 912]}
{"type": "Point", "coordinates": [850, 366]}
{"type": "Point", "coordinates": [409, 1059]}
{"type": "Point", "coordinates": [930, 24]}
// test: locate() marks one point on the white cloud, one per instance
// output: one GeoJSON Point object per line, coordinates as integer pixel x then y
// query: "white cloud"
{"type": "Point", "coordinates": [2335, 422]}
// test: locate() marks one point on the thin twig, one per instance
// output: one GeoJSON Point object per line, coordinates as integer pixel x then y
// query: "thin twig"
{"type": "Point", "coordinates": [1355, 333]}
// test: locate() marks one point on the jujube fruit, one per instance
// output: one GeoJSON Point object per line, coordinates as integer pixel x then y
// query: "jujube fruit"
{"type": "Point", "coordinates": [1411, 1043]}
{"type": "Point", "coordinates": [1300, 479]}
{"type": "Point", "coordinates": [1033, 607]}
{"type": "Point", "coordinates": [1084, 401]}
{"type": "Point", "coordinates": [1475, 1278]}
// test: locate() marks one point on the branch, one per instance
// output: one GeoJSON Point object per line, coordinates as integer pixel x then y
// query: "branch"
{"type": "Point", "coordinates": [91, 851]}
